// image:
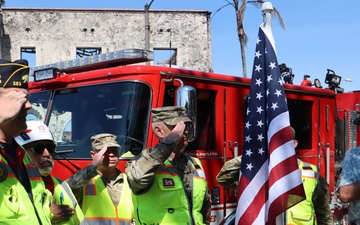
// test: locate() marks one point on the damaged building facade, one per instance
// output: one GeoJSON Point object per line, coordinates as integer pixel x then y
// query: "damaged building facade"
{"type": "Point", "coordinates": [52, 35]}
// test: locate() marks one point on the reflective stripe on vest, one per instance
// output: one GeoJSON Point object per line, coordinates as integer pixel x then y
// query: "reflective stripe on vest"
{"type": "Point", "coordinates": [16, 206]}
{"type": "Point", "coordinates": [166, 201]}
{"type": "Point", "coordinates": [69, 193]}
{"type": "Point", "coordinates": [107, 222]}
{"type": "Point", "coordinates": [99, 208]}
{"type": "Point", "coordinates": [90, 188]}
{"type": "Point", "coordinates": [69, 199]}
{"type": "Point", "coordinates": [33, 172]}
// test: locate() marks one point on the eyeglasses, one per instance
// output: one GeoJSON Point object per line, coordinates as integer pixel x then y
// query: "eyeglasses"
{"type": "Point", "coordinates": [40, 148]}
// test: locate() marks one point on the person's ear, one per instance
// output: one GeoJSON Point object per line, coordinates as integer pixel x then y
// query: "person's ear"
{"type": "Point", "coordinates": [158, 131]}
{"type": "Point", "coordinates": [92, 154]}
{"type": "Point", "coordinates": [295, 143]}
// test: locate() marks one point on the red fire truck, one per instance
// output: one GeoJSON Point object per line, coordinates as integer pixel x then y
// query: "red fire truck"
{"type": "Point", "coordinates": [114, 93]}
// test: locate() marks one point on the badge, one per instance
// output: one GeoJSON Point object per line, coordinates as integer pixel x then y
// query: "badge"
{"type": "Point", "coordinates": [3, 172]}
{"type": "Point", "coordinates": [168, 182]}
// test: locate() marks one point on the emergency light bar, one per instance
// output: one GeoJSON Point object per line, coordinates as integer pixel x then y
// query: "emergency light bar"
{"type": "Point", "coordinates": [110, 59]}
{"type": "Point", "coordinates": [45, 74]}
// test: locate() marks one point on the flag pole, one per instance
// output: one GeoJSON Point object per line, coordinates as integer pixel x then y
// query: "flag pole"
{"type": "Point", "coordinates": [270, 179]}
{"type": "Point", "coordinates": [267, 9]}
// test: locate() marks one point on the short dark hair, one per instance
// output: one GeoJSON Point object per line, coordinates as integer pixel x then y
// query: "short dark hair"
{"type": "Point", "coordinates": [293, 133]}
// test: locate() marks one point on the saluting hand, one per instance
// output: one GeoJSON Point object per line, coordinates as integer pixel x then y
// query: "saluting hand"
{"type": "Point", "coordinates": [177, 133]}
{"type": "Point", "coordinates": [11, 104]}
{"type": "Point", "coordinates": [99, 156]}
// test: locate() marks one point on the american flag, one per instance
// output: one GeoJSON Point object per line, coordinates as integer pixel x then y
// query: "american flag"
{"type": "Point", "coordinates": [270, 181]}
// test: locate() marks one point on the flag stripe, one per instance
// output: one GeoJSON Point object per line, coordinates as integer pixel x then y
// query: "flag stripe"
{"type": "Point", "coordinates": [255, 190]}
{"type": "Point", "coordinates": [277, 165]}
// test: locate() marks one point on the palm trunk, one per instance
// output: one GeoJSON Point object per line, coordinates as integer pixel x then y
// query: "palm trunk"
{"type": "Point", "coordinates": [241, 35]}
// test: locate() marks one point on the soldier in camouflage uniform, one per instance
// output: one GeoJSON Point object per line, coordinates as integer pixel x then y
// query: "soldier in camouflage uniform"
{"type": "Point", "coordinates": [168, 185]}
{"type": "Point", "coordinates": [317, 198]}
{"type": "Point", "coordinates": [349, 184]}
{"type": "Point", "coordinates": [101, 188]}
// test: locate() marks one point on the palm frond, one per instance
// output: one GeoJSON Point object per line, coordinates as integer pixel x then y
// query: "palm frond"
{"type": "Point", "coordinates": [219, 10]}
{"type": "Point", "coordinates": [277, 16]}
{"type": "Point", "coordinates": [257, 3]}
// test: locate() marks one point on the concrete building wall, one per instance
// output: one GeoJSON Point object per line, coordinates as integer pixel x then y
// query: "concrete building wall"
{"type": "Point", "coordinates": [56, 33]}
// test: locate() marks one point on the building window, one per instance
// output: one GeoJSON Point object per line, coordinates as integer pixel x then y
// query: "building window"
{"type": "Point", "coordinates": [165, 56]}
{"type": "Point", "coordinates": [29, 53]}
{"type": "Point", "coordinates": [84, 52]}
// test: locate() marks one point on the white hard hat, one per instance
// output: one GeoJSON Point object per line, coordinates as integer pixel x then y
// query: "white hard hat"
{"type": "Point", "coordinates": [36, 131]}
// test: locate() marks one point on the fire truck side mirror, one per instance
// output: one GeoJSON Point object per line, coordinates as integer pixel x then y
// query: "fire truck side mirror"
{"type": "Point", "coordinates": [185, 96]}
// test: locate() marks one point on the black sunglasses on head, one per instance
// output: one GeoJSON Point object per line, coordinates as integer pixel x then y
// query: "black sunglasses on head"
{"type": "Point", "coordinates": [40, 148]}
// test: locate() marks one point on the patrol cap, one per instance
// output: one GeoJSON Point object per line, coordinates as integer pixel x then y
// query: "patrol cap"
{"type": "Point", "coordinates": [98, 141]}
{"type": "Point", "coordinates": [14, 74]}
{"type": "Point", "coordinates": [170, 115]}
{"type": "Point", "coordinates": [36, 131]}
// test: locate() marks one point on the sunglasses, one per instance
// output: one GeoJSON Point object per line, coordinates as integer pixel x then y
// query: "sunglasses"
{"type": "Point", "coordinates": [40, 148]}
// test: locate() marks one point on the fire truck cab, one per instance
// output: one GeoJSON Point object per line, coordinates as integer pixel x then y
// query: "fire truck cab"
{"type": "Point", "coordinates": [114, 93]}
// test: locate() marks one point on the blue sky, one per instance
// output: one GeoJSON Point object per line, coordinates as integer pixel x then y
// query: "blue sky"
{"type": "Point", "coordinates": [318, 35]}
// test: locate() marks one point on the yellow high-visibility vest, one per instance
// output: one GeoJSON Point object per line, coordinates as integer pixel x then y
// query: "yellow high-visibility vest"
{"type": "Point", "coordinates": [68, 199]}
{"type": "Point", "coordinates": [16, 206]}
{"type": "Point", "coordinates": [167, 203]}
{"type": "Point", "coordinates": [98, 207]}
{"type": "Point", "coordinates": [303, 213]}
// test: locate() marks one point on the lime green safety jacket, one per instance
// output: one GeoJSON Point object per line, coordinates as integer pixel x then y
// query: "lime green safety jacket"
{"type": "Point", "coordinates": [16, 206]}
{"type": "Point", "coordinates": [167, 203]}
{"type": "Point", "coordinates": [99, 208]}
{"type": "Point", "coordinates": [303, 213]}
{"type": "Point", "coordinates": [64, 196]}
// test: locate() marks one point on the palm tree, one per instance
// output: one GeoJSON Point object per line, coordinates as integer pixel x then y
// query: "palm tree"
{"type": "Point", "coordinates": [240, 13]}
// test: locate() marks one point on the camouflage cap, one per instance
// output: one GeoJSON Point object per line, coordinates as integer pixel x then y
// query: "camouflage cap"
{"type": "Point", "coordinates": [14, 74]}
{"type": "Point", "coordinates": [170, 115]}
{"type": "Point", "coordinates": [100, 140]}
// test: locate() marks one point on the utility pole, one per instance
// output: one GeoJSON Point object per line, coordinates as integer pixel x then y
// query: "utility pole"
{"type": "Point", "coordinates": [147, 26]}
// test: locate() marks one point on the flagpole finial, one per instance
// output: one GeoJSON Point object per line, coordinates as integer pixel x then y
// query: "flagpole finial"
{"type": "Point", "coordinates": [267, 6]}
{"type": "Point", "coordinates": [267, 9]}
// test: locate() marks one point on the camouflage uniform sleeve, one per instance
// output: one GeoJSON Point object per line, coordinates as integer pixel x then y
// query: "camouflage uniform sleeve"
{"type": "Point", "coordinates": [206, 208]}
{"type": "Point", "coordinates": [80, 179]}
{"type": "Point", "coordinates": [141, 171]}
{"type": "Point", "coordinates": [229, 173]}
{"type": "Point", "coordinates": [321, 201]}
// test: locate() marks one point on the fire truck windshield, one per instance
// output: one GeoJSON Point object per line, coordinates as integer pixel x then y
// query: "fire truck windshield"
{"type": "Point", "coordinates": [75, 114]}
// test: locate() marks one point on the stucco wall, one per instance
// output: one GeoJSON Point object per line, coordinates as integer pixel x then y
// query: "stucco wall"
{"type": "Point", "coordinates": [56, 33]}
